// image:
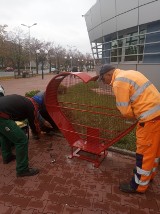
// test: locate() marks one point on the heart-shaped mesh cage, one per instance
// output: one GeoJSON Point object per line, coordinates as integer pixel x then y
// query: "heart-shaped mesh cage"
{"type": "Point", "coordinates": [85, 111]}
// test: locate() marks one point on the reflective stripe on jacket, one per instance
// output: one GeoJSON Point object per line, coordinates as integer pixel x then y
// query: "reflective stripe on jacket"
{"type": "Point", "coordinates": [135, 95]}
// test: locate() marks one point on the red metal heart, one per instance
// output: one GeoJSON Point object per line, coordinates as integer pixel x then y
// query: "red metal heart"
{"type": "Point", "coordinates": [97, 126]}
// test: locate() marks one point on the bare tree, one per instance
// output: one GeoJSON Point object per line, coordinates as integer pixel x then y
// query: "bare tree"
{"type": "Point", "coordinates": [3, 52]}
{"type": "Point", "coordinates": [18, 52]}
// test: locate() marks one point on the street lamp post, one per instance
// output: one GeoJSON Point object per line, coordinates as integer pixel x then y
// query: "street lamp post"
{"type": "Point", "coordinates": [29, 37]}
{"type": "Point", "coordinates": [71, 62]}
{"type": "Point", "coordinates": [42, 55]}
{"type": "Point", "coordinates": [82, 65]}
{"type": "Point", "coordinates": [65, 63]}
{"type": "Point", "coordinates": [37, 53]}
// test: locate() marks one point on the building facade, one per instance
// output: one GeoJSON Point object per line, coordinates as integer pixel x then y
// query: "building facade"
{"type": "Point", "coordinates": [126, 33]}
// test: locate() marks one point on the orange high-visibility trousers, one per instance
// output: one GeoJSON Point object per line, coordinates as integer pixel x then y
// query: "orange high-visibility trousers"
{"type": "Point", "coordinates": [147, 154]}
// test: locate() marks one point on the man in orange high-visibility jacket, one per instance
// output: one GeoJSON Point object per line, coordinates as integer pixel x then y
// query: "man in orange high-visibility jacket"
{"type": "Point", "coordinates": [137, 97]}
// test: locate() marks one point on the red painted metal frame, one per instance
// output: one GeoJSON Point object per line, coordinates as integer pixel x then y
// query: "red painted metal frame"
{"type": "Point", "coordinates": [90, 145]}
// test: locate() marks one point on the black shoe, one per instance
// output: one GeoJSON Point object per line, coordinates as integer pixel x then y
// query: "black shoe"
{"type": "Point", "coordinates": [28, 172]}
{"type": "Point", "coordinates": [125, 187]}
{"type": "Point", "coordinates": [9, 159]}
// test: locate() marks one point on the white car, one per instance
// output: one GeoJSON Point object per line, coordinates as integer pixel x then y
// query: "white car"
{"type": "Point", "coordinates": [2, 92]}
{"type": "Point", "coordinates": [53, 69]}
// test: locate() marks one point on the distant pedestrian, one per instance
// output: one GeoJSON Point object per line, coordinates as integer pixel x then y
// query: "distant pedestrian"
{"type": "Point", "coordinates": [137, 97]}
{"type": "Point", "coordinates": [17, 108]}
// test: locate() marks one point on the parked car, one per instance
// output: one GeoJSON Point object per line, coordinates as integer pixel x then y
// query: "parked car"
{"type": "Point", "coordinates": [54, 70]}
{"type": "Point", "coordinates": [9, 69]}
{"type": "Point", "coordinates": [75, 69]}
{"type": "Point", "coordinates": [2, 92]}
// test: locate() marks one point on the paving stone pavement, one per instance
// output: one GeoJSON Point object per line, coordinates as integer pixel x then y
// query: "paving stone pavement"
{"type": "Point", "coordinates": [69, 186]}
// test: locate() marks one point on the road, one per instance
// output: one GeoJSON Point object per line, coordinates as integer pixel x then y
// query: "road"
{"type": "Point", "coordinates": [11, 73]}
{"type": "Point", "coordinates": [23, 85]}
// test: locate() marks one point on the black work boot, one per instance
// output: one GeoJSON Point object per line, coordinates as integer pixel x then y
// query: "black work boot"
{"type": "Point", "coordinates": [126, 187]}
{"type": "Point", "coordinates": [9, 159]}
{"type": "Point", "coordinates": [28, 172]}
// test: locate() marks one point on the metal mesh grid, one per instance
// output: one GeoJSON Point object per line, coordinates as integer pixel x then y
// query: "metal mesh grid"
{"type": "Point", "coordinates": [91, 109]}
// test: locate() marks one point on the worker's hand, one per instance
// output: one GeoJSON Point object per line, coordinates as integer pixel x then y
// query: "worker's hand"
{"type": "Point", "coordinates": [47, 124]}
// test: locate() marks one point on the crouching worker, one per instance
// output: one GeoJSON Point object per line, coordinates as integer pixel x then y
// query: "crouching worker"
{"type": "Point", "coordinates": [16, 108]}
{"type": "Point", "coordinates": [46, 122]}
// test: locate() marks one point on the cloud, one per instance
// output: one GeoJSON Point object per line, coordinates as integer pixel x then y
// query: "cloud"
{"type": "Point", "coordinates": [57, 20]}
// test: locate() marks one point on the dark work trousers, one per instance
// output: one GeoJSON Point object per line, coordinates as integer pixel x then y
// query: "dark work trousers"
{"type": "Point", "coordinates": [11, 134]}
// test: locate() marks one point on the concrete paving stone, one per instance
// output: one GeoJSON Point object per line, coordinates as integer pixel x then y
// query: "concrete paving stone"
{"type": "Point", "coordinates": [103, 187]}
{"type": "Point", "coordinates": [39, 205]}
{"type": "Point", "coordinates": [15, 200]}
{"type": "Point", "coordinates": [88, 211]}
{"type": "Point", "coordinates": [30, 183]}
{"type": "Point", "coordinates": [72, 182]}
{"type": "Point", "coordinates": [138, 211]}
{"type": "Point", "coordinates": [67, 199]}
{"type": "Point", "coordinates": [6, 189]}
{"type": "Point", "coordinates": [90, 186]}
{"type": "Point", "coordinates": [35, 193]}
{"type": "Point", "coordinates": [83, 202]}
{"type": "Point", "coordinates": [59, 180]}
{"type": "Point", "coordinates": [104, 212]}
{"type": "Point", "coordinates": [150, 204]}
{"type": "Point", "coordinates": [132, 202]}
{"type": "Point", "coordinates": [21, 191]}
{"type": "Point", "coordinates": [49, 187]}
{"type": "Point", "coordinates": [153, 212]}
{"type": "Point", "coordinates": [101, 206]}
{"type": "Point", "coordinates": [72, 210]}
{"type": "Point", "coordinates": [19, 182]}
{"type": "Point", "coordinates": [158, 203]}
{"type": "Point", "coordinates": [61, 189]}
{"type": "Point", "coordinates": [45, 178]}
{"type": "Point", "coordinates": [118, 208]}
{"type": "Point", "coordinates": [78, 192]}
{"type": "Point", "coordinates": [111, 197]}
{"type": "Point", "coordinates": [94, 195]}
{"type": "Point", "coordinates": [53, 208]}
{"type": "Point", "coordinates": [18, 210]}
{"type": "Point", "coordinates": [6, 209]}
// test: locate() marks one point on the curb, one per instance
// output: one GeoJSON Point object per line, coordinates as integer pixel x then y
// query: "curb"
{"type": "Point", "coordinates": [122, 151]}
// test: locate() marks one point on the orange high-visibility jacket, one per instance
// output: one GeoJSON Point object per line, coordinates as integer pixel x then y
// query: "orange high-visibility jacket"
{"type": "Point", "coordinates": [136, 96]}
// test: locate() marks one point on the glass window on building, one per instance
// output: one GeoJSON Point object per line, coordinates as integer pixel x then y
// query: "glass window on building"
{"type": "Point", "coordinates": [131, 42]}
{"type": "Point", "coordinates": [116, 50]}
{"type": "Point", "coordinates": [134, 46]}
{"type": "Point", "coordinates": [142, 37]}
{"type": "Point", "coordinates": [128, 47]}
